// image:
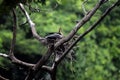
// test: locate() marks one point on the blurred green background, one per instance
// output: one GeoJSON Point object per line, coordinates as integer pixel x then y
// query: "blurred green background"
{"type": "Point", "coordinates": [97, 54]}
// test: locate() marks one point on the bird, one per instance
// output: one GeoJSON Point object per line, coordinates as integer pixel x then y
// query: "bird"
{"type": "Point", "coordinates": [53, 37]}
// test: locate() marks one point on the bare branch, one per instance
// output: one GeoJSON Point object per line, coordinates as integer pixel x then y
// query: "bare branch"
{"type": "Point", "coordinates": [32, 25]}
{"type": "Point", "coordinates": [14, 34]}
{"type": "Point", "coordinates": [16, 61]}
{"type": "Point", "coordinates": [80, 24]}
{"type": "Point", "coordinates": [21, 63]}
{"type": "Point", "coordinates": [4, 55]}
{"type": "Point", "coordinates": [11, 53]}
{"type": "Point", "coordinates": [44, 58]}
{"type": "Point", "coordinates": [24, 64]}
{"type": "Point", "coordinates": [88, 30]}
{"type": "Point", "coordinates": [40, 63]}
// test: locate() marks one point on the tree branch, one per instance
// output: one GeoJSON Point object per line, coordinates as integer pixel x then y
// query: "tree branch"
{"type": "Point", "coordinates": [32, 25]}
{"type": "Point", "coordinates": [24, 64]}
{"type": "Point", "coordinates": [85, 19]}
{"type": "Point", "coordinates": [44, 58]}
{"type": "Point", "coordinates": [11, 53]}
{"type": "Point", "coordinates": [14, 34]}
{"type": "Point", "coordinates": [4, 55]}
{"type": "Point", "coordinates": [40, 63]}
{"type": "Point", "coordinates": [88, 30]}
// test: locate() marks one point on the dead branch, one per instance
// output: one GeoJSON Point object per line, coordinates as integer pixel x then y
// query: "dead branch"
{"type": "Point", "coordinates": [17, 61]}
{"type": "Point", "coordinates": [88, 30]}
{"type": "Point", "coordinates": [14, 34]}
{"type": "Point", "coordinates": [32, 25]}
{"type": "Point", "coordinates": [40, 63]}
{"type": "Point", "coordinates": [24, 64]}
{"type": "Point", "coordinates": [11, 53]}
{"type": "Point", "coordinates": [44, 58]}
{"type": "Point", "coordinates": [85, 19]}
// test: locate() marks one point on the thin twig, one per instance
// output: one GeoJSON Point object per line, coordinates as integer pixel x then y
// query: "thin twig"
{"type": "Point", "coordinates": [83, 7]}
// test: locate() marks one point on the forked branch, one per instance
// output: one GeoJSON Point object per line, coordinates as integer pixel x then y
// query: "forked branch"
{"type": "Point", "coordinates": [32, 25]}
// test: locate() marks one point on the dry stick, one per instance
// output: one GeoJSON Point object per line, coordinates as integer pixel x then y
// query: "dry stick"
{"type": "Point", "coordinates": [39, 64]}
{"type": "Point", "coordinates": [88, 30]}
{"type": "Point", "coordinates": [85, 19]}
